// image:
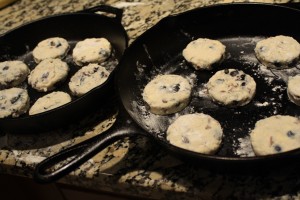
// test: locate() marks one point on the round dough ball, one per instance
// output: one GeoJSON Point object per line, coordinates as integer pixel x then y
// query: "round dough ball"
{"type": "Point", "coordinates": [275, 134]}
{"type": "Point", "coordinates": [12, 73]}
{"type": "Point", "coordinates": [13, 102]}
{"type": "Point", "coordinates": [231, 87]}
{"type": "Point", "coordinates": [47, 74]}
{"type": "Point", "coordinates": [203, 53]}
{"type": "Point", "coordinates": [91, 50]}
{"type": "Point", "coordinates": [277, 52]}
{"type": "Point", "coordinates": [293, 89]}
{"type": "Point", "coordinates": [167, 94]}
{"type": "Point", "coordinates": [55, 47]}
{"type": "Point", "coordinates": [196, 132]}
{"type": "Point", "coordinates": [49, 102]}
{"type": "Point", "coordinates": [87, 78]}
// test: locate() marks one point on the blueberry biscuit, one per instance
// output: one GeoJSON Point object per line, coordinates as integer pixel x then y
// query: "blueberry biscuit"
{"type": "Point", "coordinates": [278, 52]}
{"type": "Point", "coordinates": [196, 132]}
{"type": "Point", "coordinates": [47, 74]}
{"type": "Point", "coordinates": [12, 73]}
{"type": "Point", "coordinates": [293, 89]}
{"type": "Point", "coordinates": [231, 87]}
{"type": "Point", "coordinates": [91, 50]}
{"type": "Point", "coordinates": [13, 102]}
{"type": "Point", "coordinates": [167, 94]}
{"type": "Point", "coordinates": [87, 78]}
{"type": "Point", "coordinates": [203, 53]}
{"type": "Point", "coordinates": [55, 47]}
{"type": "Point", "coordinates": [49, 101]}
{"type": "Point", "coordinates": [275, 134]}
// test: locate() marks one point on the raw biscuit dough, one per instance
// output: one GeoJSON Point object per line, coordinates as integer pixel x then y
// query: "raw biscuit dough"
{"type": "Point", "coordinates": [196, 132]}
{"type": "Point", "coordinates": [293, 89]}
{"type": "Point", "coordinates": [55, 47]}
{"type": "Point", "coordinates": [277, 52]}
{"type": "Point", "coordinates": [167, 94]}
{"type": "Point", "coordinates": [231, 87]}
{"type": "Point", "coordinates": [275, 134]}
{"type": "Point", "coordinates": [203, 53]}
{"type": "Point", "coordinates": [47, 74]}
{"type": "Point", "coordinates": [91, 50]}
{"type": "Point", "coordinates": [12, 73]}
{"type": "Point", "coordinates": [87, 78]}
{"type": "Point", "coordinates": [49, 102]}
{"type": "Point", "coordinates": [13, 102]}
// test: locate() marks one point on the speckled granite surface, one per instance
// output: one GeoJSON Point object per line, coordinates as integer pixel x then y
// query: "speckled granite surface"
{"type": "Point", "coordinates": [134, 167]}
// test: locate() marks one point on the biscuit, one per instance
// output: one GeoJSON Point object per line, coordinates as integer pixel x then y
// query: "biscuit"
{"type": "Point", "coordinates": [55, 47]}
{"type": "Point", "coordinates": [49, 102]}
{"type": "Point", "coordinates": [12, 73]}
{"type": "Point", "coordinates": [275, 134]}
{"type": "Point", "coordinates": [278, 52]}
{"type": "Point", "coordinates": [91, 50]}
{"type": "Point", "coordinates": [196, 132]}
{"type": "Point", "coordinates": [231, 87]}
{"type": "Point", "coordinates": [13, 102]}
{"type": "Point", "coordinates": [47, 74]}
{"type": "Point", "coordinates": [87, 78]}
{"type": "Point", "coordinates": [203, 53]}
{"type": "Point", "coordinates": [293, 89]}
{"type": "Point", "coordinates": [167, 94]}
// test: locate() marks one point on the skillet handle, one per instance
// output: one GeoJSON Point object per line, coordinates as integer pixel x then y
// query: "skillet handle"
{"type": "Point", "coordinates": [106, 8]}
{"type": "Point", "coordinates": [80, 153]}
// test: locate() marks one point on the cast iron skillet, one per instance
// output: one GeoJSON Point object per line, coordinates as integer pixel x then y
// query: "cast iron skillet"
{"type": "Point", "coordinates": [158, 51]}
{"type": "Point", "coordinates": [19, 43]}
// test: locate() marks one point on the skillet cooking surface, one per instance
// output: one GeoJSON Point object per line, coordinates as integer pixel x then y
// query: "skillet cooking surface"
{"type": "Point", "coordinates": [238, 27]}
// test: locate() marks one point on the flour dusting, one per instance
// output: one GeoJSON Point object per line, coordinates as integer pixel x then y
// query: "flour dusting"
{"type": "Point", "coordinates": [244, 148]}
{"type": "Point", "coordinates": [270, 98]}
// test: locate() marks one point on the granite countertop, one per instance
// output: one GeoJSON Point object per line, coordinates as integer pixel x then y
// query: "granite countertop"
{"type": "Point", "coordinates": [134, 167]}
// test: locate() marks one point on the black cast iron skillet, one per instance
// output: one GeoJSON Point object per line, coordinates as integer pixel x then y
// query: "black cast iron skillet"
{"type": "Point", "coordinates": [158, 51]}
{"type": "Point", "coordinates": [19, 43]}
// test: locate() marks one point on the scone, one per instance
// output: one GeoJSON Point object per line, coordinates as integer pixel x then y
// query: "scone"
{"type": "Point", "coordinates": [91, 50]}
{"type": "Point", "coordinates": [49, 102]}
{"type": "Point", "coordinates": [55, 47]}
{"type": "Point", "coordinates": [275, 134]}
{"type": "Point", "coordinates": [231, 87]}
{"type": "Point", "coordinates": [278, 52]}
{"type": "Point", "coordinates": [293, 89]}
{"type": "Point", "coordinates": [47, 74]}
{"type": "Point", "coordinates": [203, 53]}
{"type": "Point", "coordinates": [196, 132]}
{"type": "Point", "coordinates": [167, 94]}
{"type": "Point", "coordinates": [87, 78]}
{"type": "Point", "coordinates": [12, 73]}
{"type": "Point", "coordinates": [13, 102]}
